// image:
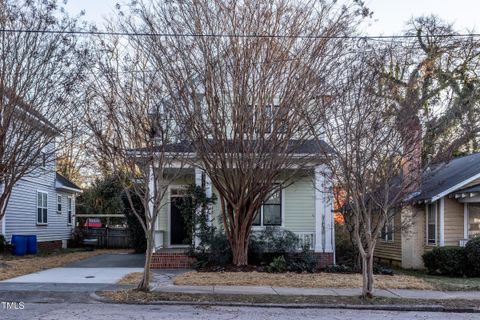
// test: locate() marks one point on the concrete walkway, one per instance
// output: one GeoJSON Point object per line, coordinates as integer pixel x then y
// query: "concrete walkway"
{"type": "Point", "coordinates": [252, 290]}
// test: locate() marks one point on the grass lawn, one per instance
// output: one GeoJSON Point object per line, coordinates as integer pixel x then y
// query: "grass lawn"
{"type": "Point", "coordinates": [299, 280]}
{"type": "Point", "coordinates": [443, 282]}
{"type": "Point", "coordinates": [13, 266]}
{"type": "Point", "coordinates": [133, 296]}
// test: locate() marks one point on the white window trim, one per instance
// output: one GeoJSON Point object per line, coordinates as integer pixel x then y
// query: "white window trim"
{"type": "Point", "coordinates": [385, 230]}
{"type": "Point", "coordinates": [282, 213]}
{"type": "Point", "coordinates": [434, 205]}
{"type": "Point", "coordinates": [69, 210]}
{"type": "Point", "coordinates": [171, 194]}
{"type": "Point", "coordinates": [36, 199]}
{"type": "Point", "coordinates": [59, 197]}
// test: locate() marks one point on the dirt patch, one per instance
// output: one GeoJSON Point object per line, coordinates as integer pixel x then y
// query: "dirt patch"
{"type": "Point", "coordinates": [11, 266]}
{"type": "Point", "coordinates": [132, 278]}
{"type": "Point", "coordinates": [298, 280]}
{"type": "Point", "coordinates": [134, 296]}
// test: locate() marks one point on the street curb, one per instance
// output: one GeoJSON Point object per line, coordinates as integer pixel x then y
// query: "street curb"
{"type": "Point", "coordinates": [392, 307]}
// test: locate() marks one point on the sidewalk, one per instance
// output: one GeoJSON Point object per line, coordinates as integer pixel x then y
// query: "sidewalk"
{"type": "Point", "coordinates": [387, 293]}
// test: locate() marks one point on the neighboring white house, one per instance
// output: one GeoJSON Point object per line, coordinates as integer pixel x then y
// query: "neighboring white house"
{"type": "Point", "coordinates": [43, 205]}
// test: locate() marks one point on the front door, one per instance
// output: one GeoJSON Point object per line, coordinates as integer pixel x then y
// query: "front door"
{"type": "Point", "coordinates": [178, 232]}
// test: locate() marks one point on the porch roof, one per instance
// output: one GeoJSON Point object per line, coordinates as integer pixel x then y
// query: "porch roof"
{"type": "Point", "coordinates": [299, 146]}
{"type": "Point", "coordinates": [448, 177]}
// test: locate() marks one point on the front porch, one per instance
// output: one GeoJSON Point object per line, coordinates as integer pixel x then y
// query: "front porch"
{"type": "Point", "coordinates": [304, 207]}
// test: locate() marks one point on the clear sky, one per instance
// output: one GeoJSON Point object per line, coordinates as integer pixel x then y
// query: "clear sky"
{"type": "Point", "coordinates": [389, 15]}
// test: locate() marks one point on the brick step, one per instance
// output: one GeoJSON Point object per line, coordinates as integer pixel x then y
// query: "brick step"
{"type": "Point", "coordinates": [166, 260]}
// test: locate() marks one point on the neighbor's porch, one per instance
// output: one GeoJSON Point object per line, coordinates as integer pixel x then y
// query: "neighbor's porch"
{"type": "Point", "coordinates": [470, 199]}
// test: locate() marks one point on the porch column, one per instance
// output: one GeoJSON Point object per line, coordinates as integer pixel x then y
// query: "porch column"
{"type": "Point", "coordinates": [157, 236]}
{"type": "Point", "coordinates": [208, 193]}
{"type": "Point", "coordinates": [199, 183]}
{"type": "Point", "coordinates": [442, 222]}
{"type": "Point", "coordinates": [324, 233]}
{"type": "Point", "coordinates": [4, 219]}
{"type": "Point", "coordinates": [465, 221]}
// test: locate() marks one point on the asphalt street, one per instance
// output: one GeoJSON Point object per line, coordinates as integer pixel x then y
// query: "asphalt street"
{"type": "Point", "coordinates": [97, 311]}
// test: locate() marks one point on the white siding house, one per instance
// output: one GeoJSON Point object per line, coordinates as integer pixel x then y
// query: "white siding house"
{"type": "Point", "coordinates": [42, 204]}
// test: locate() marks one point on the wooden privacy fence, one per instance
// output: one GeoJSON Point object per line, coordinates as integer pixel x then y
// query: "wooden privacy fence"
{"type": "Point", "coordinates": [109, 237]}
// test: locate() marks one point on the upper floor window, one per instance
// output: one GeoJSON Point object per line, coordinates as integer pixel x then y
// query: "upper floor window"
{"type": "Point", "coordinates": [387, 231]}
{"type": "Point", "coordinates": [270, 214]}
{"type": "Point", "coordinates": [432, 209]}
{"type": "Point", "coordinates": [43, 159]}
{"type": "Point", "coordinates": [42, 207]}
{"type": "Point", "coordinates": [59, 204]}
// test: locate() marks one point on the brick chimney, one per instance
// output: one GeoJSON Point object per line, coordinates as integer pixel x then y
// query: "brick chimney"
{"type": "Point", "coordinates": [412, 154]}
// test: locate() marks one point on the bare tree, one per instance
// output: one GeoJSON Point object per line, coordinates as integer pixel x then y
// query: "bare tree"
{"type": "Point", "coordinates": [369, 160]}
{"type": "Point", "coordinates": [433, 81]}
{"type": "Point", "coordinates": [131, 133]}
{"type": "Point", "coordinates": [39, 77]}
{"type": "Point", "coordinates": [240, 76]}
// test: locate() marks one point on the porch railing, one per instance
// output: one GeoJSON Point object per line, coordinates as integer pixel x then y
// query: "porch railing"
{"type": "Point", "coordinates": [463, 242]}
{"type": "Point", "coordinates": [306, 238]}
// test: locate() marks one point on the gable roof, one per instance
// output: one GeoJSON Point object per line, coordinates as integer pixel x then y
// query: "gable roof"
{"type": "Point", "coordinates": [28, 109]}
{"type": "Point", "coordinates": [444, 178]}
{"type": "Point", "coordinates": [66, 184]}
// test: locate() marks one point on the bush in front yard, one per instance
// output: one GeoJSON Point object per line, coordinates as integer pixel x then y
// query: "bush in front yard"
{"type": "Point", "coordinates": [213, 251]}
{"type": "Point", "coordinates": [278, 265]}
{"type": "Point", "coordinates": [448, 261]}
{"type": "Point", "coordinates": [270, 243]}
{"type": "Point", "coordinates": [472, 257]}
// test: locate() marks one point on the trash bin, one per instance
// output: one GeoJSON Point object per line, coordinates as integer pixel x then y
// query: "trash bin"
{"type": "Point", "coordinates": [19, 243]}
{"type": "Point", "coordinates": [31, 244]}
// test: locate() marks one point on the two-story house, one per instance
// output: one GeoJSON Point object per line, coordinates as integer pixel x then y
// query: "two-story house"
{"type": "Point", "coordinates": [42, 202]}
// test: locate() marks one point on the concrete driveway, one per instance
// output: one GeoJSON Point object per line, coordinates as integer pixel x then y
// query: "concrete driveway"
{"type": "Point", "coordinates": [102, 269]}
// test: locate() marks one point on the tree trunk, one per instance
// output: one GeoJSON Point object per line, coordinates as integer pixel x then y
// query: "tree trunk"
{"type": "Point", "coordinates": [367, 275]}
{"type": "Point", "coordinates": [239, 247]}
{"type": "Point", "coordinates": [144, 285]}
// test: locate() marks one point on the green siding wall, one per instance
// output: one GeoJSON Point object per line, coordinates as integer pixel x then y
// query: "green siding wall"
{"type": "Point", "coordinates": [298, 205]}
{"type": "Point", "coordinates": [299, 202]}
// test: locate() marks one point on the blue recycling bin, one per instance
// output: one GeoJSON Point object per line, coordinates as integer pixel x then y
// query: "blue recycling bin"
{"type": "Point", "coordinates": [31, 244]}
{"type": "Point", "coordinates": [19, 243]}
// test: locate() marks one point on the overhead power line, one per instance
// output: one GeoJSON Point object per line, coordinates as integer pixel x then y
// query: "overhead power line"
{"type": "Point", "coordinates": [221, 35]}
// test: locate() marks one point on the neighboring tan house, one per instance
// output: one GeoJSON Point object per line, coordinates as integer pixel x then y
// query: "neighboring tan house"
{"type": "Point", "coordinates": [304, 207]}
{"type": "Point", "coordinates": [446, 212]}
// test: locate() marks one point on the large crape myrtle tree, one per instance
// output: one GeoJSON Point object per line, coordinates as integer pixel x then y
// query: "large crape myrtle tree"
{"type": "Point", "coordinates": [239, 76]}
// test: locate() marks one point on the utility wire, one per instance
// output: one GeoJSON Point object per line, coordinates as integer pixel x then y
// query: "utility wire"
{"type": "Point", "coordinates": [222, 35]}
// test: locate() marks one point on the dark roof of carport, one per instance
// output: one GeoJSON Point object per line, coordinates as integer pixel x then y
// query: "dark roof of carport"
{"type": "Point", "coordinates": [444, 176]}
{"type": "Point", "coordinates": [301, 147]}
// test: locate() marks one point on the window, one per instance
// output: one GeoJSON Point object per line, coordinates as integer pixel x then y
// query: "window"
{"type": "Point", "coordinates": [43, 160]}
{"type": "Point", "coordinates": [270, 214]}
{"type": "Point", "coordinates": [432, 223]}
{"type": "Point", "coordinates": [473, 220]}
{"type": "Point", "coordinates": [280, 118]}
{"type": "Point", "coordinates": [387, 231]}
{"type": "Point", "coordinates": [42, 207]}
{"type": "Point", "coordinates": [59, 204]}
{"type": "Point", "coordinates": [69, 209]}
